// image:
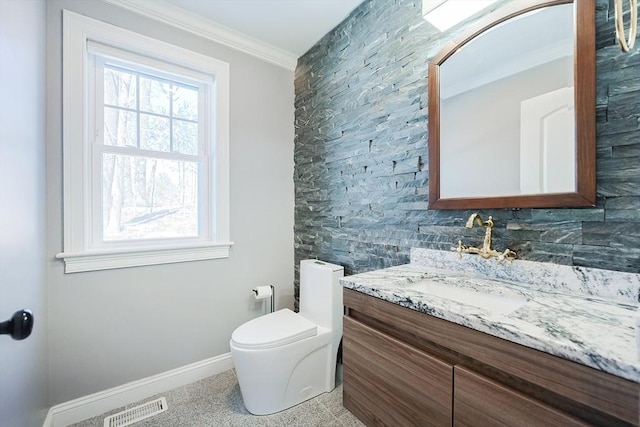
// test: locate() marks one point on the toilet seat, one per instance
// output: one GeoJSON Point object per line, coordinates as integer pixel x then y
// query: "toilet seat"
{"type": "Point", "coordinates": [273, 330]}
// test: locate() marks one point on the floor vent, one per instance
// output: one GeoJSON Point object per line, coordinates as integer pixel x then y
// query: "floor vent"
{"type": "Point", "coordinates": [136, 414]}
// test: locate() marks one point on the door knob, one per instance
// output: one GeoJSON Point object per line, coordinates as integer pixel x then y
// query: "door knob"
{"type": "Point", "coordinates": [19, 326]}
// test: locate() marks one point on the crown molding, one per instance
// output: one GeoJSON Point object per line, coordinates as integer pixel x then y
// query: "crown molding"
{"type": "Point", "coordinates": [179, 18]}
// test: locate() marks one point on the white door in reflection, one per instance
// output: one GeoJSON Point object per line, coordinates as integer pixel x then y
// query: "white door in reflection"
{"type": "Point", "coordinates": [547, 143]}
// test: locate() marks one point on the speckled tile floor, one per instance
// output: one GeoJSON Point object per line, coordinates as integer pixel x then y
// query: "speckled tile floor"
{"type": "Point", "coordinates": [216, 401]}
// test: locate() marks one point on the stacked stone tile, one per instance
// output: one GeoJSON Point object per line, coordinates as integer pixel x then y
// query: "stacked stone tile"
{"type": "Point", "coordinates": [361, 153]}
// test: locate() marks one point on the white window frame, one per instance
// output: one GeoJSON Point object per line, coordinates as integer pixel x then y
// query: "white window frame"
{"type": "Point", "coordinates": [79, 252]}
{"type": "Point", "coordinates": [102, 56]}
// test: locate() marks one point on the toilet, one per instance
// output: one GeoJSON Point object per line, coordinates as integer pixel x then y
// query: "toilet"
{"type": "Point", "coordinates": [284, 358]}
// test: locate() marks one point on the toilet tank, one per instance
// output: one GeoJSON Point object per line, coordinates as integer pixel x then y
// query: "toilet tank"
{"type": "Point", "coordinates": [321, 293]}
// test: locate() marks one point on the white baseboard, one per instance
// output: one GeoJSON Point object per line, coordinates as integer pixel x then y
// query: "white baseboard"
{"type": "Point", "coordinates": [98, 403]}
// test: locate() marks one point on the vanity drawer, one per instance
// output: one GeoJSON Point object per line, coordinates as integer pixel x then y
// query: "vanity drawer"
{"type": "Point", "coordinates": [388, 378]}
{"type": "Point", "coordinates": [479, 401]}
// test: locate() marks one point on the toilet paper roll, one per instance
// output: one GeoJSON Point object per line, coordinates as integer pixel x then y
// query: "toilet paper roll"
{"type": "Point", "coordinates": [262, 292]}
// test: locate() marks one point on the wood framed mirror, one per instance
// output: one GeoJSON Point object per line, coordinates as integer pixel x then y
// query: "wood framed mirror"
{"type": "Point", "coordinates": [512, 110]}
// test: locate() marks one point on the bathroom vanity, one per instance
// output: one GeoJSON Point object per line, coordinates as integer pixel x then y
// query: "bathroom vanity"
{"type": "Point", "coordinates": [443, 341]}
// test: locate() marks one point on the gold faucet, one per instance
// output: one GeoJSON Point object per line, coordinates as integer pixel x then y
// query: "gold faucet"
{"type": "Point", "coordinates": [486, 251]}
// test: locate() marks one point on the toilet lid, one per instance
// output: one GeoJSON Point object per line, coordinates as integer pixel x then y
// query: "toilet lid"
{"type": "Point", "coordinates": [273, 330]}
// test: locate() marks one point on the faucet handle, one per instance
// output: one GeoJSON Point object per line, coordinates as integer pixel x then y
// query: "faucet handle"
{"type": "Point", "coordinates": [460, 248]}
{"type": "Point", "coordinates": [508, 255]}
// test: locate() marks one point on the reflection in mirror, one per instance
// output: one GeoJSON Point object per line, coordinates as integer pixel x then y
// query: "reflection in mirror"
{"type": "Point", "coordinates": [512, 124]}
{"type": "Point", "coordinates": [512, 110]}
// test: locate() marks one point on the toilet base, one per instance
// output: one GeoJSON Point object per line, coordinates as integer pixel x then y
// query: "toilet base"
{"type": "Point", "coordinates": [276, 383]}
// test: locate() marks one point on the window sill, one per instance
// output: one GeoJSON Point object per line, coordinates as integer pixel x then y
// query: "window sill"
{"type": "Point", "coordinates": [76, 262]}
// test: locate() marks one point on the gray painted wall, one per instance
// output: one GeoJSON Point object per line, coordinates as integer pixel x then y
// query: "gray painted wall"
{"type": "Point", "coordinates": [361, 153]}
{"type": "Point", "coordinates": [112, 327]}
{"type": "Point", "coordinates": [24, 368]}
{"type": "Point", "coordinates": [462, 115]}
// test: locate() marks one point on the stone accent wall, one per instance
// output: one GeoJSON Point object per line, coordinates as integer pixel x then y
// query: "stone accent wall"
{"type": "Point", "coordinates": [361, 153]}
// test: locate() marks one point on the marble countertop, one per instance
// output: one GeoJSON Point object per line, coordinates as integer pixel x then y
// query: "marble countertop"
{"type": "Point", "coordinates": [561, 312]}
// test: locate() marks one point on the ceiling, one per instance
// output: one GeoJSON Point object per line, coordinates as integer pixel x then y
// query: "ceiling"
{"type": "Point", "coordinates": [293, 26]}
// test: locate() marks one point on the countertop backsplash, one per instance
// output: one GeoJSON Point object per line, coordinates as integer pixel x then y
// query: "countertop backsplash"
{"type": "Point", "coordinates": [543, 276]}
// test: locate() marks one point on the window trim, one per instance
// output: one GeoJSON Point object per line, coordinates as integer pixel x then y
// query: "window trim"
{"type": "Point", "coordinates": [78, 30]}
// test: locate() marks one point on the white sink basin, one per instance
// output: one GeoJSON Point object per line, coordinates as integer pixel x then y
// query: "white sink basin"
{"type": "Point", "coordinates": [504, 301]}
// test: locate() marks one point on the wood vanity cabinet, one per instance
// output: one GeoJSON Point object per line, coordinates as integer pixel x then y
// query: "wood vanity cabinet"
{"type": "Point", "coordinates": [387, 379]}
{"type": "Point", "coordinates": [405, 368]}
{"type": "Point", "coordinates": [479, 401]}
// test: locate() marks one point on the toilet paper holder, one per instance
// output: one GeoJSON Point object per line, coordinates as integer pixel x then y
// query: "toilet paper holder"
{"type": "Point", "coordinates": [258, 291]}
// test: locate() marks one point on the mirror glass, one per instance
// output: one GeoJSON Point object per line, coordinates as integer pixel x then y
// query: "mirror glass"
{"type": "Point", "coordinates": [511, 125]}
{"type": "Point", "coordinates": [504, 124]}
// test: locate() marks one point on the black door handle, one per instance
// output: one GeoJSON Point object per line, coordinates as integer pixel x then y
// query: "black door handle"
{"type": "Point", "coordinates": [19, 326]}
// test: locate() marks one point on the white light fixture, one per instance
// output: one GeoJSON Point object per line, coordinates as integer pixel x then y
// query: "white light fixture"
{"type": "Point", "coordinates": [444, 14]}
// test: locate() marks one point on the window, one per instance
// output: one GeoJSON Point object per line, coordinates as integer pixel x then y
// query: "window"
{"type": "Point", "coordinates": [149, 151]}
{"type": "Point", "coordinates": [145, 139]}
